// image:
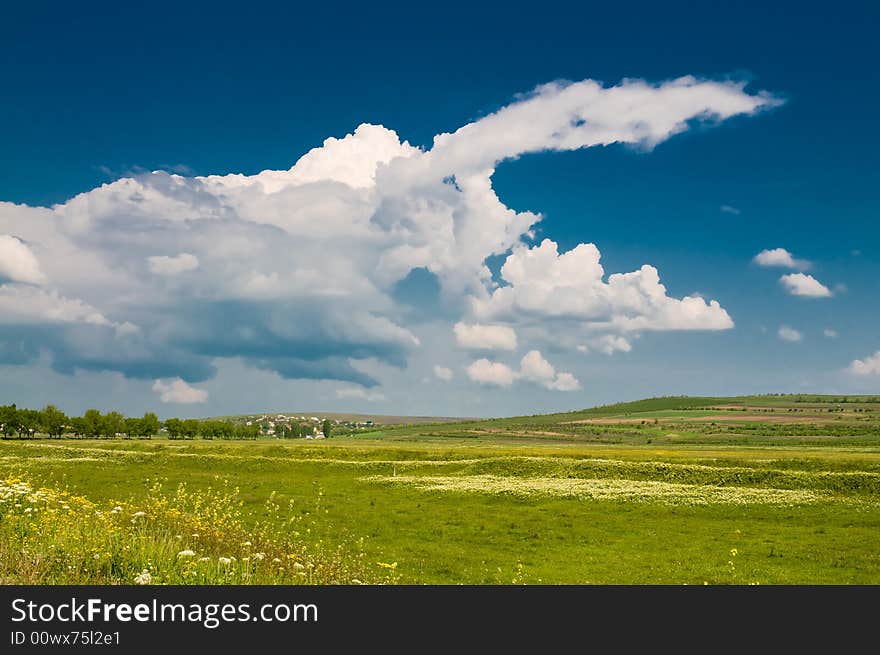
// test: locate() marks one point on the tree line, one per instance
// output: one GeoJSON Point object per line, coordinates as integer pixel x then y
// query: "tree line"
{"type": "Point", "coordinates": [54, 423]}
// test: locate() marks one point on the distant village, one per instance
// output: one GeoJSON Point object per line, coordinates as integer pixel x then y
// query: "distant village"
{"type": "Point", "coordinates": [307, 427]}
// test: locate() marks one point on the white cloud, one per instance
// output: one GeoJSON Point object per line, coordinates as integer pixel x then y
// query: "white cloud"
{"type": "Point", "coordinates": [868, 366]}
{"type": "Point", "coordinates": [17, 262]}
{"type": "Point", "coordinates": [294, 270]}
{"type": "Point", "coordinates": [800, 284]}
{"type": "Point", "coordinates": [442, 373]}
{"type": "Point", "coordinates": [491, 373]}
{"type": "Point", "coordinates": [780, 257]}
{"type": "Point", "coordinates": [360, 394]}
{"type": "Point", "coordinates": [27, 305]}
{"type": "Point", "coordinates": [164, 265]}
{"type": "Point", "coordinates": [179, 392]}
{"type": "Point", "coordinates": [532, 367]}
{"type": "Point", "coordinates": [607, 344]}
{"type": "Point", "coordinates": [789, 334]}
{"type": "Point", "coordinates": [565, 382]}
{"type": "Point", "coordinates": [545, 283]}
{"type": "Point", "coordinates": [831, 334]}
{"type": "Point", "coordinates": [485, 337]}
{"type": "Point", "coordinates": [728, 209]}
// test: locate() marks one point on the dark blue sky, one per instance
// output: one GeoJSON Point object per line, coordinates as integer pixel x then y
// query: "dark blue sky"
{"type": "Point", "coordinates": [95, 91]}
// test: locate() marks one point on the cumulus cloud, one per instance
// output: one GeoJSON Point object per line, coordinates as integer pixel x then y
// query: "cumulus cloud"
{"type": "Point", "coordinates": [179, 392]}
{"type": "Point", "coordinates": [780, 257]}
{"type": "Point", "coordinates": [787, 333]}
{"type": "Point", "coordinates": [17, 262]}
{"type": "Point", "coordinates": [607, 344]}
{"type": "Point", "coordinates": [442, 373]}
{"type": "Point", "coordinates": [485, 337]}
{"type": "Point", "coordinates": [800, 284]}
{"type": "Point", "coordinates": [26, 305]}
{"type": "Point", "coordinates": [293, 271]}
{"type": "Point", "coordinates": [164, 265]}
{"type": "Point", "coordinates": [491, 373]}
{"type": "Point", "coordinates": [868, 366]}
{"type": "Point", "coordinates": [532, 367]}
{"type": "Point", "coordinates": [545, 283]}
{"type": "Point", "coordinates": [360, 393]}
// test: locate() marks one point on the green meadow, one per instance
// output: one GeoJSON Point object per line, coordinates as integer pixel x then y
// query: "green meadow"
{"type": "Point", "coordinates": [747, 490]}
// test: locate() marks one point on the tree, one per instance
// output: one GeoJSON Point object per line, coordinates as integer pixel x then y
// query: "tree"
{"type": "Point", "coordinates": [93, 423]}
{"type": "Point", "coordinates": [190, 428]}
{"type": "Point", "coordinates": [8, 419]}
{"type": "Point", "coordinates": [131, 426]}
{"type": "Point", "coordinates": [326, 428]}
{"type": "Point", "coordinates": [243, 431]}
{"type": "Point", "coordinates": [28, 422]}
{"type": "Point", "coordinates": [149, 425]}
{"type": "Point", "coordinates": [79, 426]}
{"type": "Point", "coordinates": [112, 424]}
{"type": "Point", "coordinates": [173, 426]}
{"type": "Point", "coordinates": [53, 421]}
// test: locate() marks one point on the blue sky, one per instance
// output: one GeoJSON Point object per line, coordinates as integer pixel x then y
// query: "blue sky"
{"type": "Point", "coordinates": [94, 95]}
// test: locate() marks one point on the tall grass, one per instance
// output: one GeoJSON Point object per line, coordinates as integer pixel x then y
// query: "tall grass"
{"type": "Point", "coordinates": [50, 536]}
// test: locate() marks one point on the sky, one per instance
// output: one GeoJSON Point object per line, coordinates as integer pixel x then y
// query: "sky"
{"type": "Point", "coordinates": [466, 210]}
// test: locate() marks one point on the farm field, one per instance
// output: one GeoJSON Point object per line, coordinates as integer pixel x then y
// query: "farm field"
{"type": "Point", "coordinates": [763, 489]}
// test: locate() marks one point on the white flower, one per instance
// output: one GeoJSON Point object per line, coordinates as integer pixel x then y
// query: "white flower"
{"type": "Point", "coordinates": [204, 559]}
{"type": "Point", "coordinates": [186, 553]}
{"type": "Point", "coordinates": [247, 543]}
{"type": "Point", "coordinates": [259, 556]}
{"type": "Point", "coordinates": [143, 577]}
{"type": "Point", "coordinates": [138, 514]}
{"type": "Point", "coordinates": [224, 560]}
{"type": "Point", "coordinates": [297, 565]}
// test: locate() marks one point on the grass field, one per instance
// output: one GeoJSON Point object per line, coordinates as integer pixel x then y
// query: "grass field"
{"type": "Point", "coordinates": [766, 489]}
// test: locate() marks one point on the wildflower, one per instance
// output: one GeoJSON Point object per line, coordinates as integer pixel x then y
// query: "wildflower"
{"type": "Point", "coordinates": [298, 566]}
{"type": "Point", "coordinates": [275, 560]}
{"type": "Point", "coordinates": [186, 553]}
{"type": "Point", "coordinates": [247, 543]}
{"type": "Point", "coordinates": [224, 560]}
{"type": "Point", "coordinates": [143, 577]}
{"type": "Point", "coordinates": [259, 556]}
{"type": "Point", "coordinates": [204, 559]}
{"type": "Point", "coordinates": [733, 552]}
{"type": "Point", "coordinates": [385, 565]}
{"type": "Point", "coordinates": [138, 514]}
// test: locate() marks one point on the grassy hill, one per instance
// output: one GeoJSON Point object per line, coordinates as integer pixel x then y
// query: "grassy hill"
{"type": "Point", "coordinates": [805, 419]}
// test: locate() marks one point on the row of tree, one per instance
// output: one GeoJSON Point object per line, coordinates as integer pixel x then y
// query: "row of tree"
{"type": "Point", "coordinates": [52, 422]}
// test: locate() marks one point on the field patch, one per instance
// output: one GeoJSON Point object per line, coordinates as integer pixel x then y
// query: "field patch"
{"type": "Point", "coordinates": [639, 491]}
